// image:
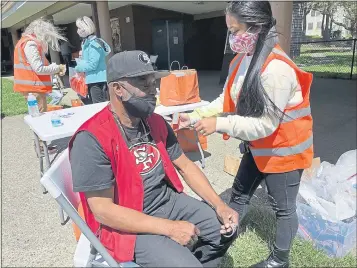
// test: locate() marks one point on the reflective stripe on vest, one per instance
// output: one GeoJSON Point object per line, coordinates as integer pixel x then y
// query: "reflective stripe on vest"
{"type": "Point", "coordinates": [284, 151]}
{"type": "Point", "coordinates": [234, 64]}
{"type": "Point", "coordinates": [296, 114]}
{"type": "Point", "coordinates": [231, 69]}
{"type": "Point", "coordinates": [22, 66]}
{"type": "Point", "coordinates": [32, 83]}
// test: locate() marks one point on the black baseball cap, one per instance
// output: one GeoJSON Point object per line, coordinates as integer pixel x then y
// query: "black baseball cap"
{"type": "Point", "coordinates": [131, 64]}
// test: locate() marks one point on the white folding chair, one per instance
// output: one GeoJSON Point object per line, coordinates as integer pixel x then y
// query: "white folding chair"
{"type": "Point", "coordinates": [89, 252]}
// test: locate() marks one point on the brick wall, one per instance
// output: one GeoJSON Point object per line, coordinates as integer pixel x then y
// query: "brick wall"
{"type": "Point", "coordinates": [296, 30]}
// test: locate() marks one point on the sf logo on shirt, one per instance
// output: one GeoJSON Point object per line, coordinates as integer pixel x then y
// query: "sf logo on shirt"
{"type": "Point", "coordinates": [147, 157]}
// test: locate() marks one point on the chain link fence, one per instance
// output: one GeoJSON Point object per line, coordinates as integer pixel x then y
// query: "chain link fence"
{"type": "Point", "coordinates": [330, 59]}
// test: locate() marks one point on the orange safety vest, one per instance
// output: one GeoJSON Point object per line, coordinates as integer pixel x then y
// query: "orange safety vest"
{"type": "Point", "coordinates": [25, 78]}
{"type": "Point", "coordinates": [290, 147]}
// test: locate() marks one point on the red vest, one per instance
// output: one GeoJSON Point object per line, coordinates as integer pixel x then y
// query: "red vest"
{"type": "Point", "coordinates": [129, 188]}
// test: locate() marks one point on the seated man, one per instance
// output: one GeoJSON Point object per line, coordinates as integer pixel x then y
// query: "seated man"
{"type": "Point", "coordinates": [123, 163]}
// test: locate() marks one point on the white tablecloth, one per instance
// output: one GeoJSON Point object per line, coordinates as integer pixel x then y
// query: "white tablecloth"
{"type": "Point", "coordinates": [45, 131]}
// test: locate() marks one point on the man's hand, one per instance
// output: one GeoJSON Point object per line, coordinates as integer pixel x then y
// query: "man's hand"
{"type": "Point", "coordinates": [206, 126]}
{"type": "Point", "coordinates": [228, 217]}
{"type": "Point", "coordinates": [184, 233]}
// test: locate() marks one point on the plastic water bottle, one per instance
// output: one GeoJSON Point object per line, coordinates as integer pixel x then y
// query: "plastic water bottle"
{"type": "Point", "coordinates": [56, 120]}
{"type": "Point", "coordinates": [32, 105]}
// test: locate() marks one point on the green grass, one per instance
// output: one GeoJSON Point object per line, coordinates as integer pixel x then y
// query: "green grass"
{"type": "Point", "coordinates": [326, 61]}
{"type": "Point", "coordinates": [252, 246]}
{"type": "Point", "coordinates": [12, 103]}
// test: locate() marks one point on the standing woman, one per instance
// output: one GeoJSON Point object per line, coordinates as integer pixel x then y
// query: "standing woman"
{"type": "Point", "coordinates": [265, 104]}
{"type": "Point", "coordinates": [32, 71]}
{"type": "Point", "coordinates": [93, 62]}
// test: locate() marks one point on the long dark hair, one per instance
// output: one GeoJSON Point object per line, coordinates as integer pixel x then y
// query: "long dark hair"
{"type": "Point", "coordinates": [257, 15]}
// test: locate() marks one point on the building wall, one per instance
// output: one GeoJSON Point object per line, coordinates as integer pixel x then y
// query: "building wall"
{"type": "Point", "coordinates": [313, 23]}
{"type": "Point", "coordinates": [126, 24]}
{"type": "Point", "coordinates": [296, 30]}
{"type": "Point", "coordinates": [143, 16]}
{"type": "Point", "coordinates": [205, 44]}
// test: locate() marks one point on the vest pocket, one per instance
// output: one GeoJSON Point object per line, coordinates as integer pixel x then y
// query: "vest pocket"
{"type": "Point", "coordinates": [106, 237]}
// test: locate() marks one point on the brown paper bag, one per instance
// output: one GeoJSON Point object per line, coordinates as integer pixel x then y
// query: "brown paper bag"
{"type": "Point", "coordinates": [180, 87]}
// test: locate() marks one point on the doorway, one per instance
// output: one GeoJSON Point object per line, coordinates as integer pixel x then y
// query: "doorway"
{"type": "Point", "coordinates": [168, 42]}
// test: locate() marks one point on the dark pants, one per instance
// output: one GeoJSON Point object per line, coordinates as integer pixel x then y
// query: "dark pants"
{"type": "Point", "coordinates": [282, 189]}
{"type": "Point", "coordinates": [161, 251]}
{"type": "Point", "coordinates": [67, 60]}
{"type": "Point", "coordinates": [97, 92]}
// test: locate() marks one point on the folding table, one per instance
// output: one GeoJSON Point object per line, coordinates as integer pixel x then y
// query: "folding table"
{"type": "Point", "coordinates": [44, 131]}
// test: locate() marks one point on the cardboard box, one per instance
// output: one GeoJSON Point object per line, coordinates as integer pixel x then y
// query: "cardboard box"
{"type": "Point", "coordinates": [231, 164]}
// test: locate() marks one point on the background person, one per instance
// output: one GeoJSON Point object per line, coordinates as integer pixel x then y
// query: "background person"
{"type": "Point", "coordinates": [93, 62]}
{"type": "Point", "coordinates": [265, 103]}
{"type": "Point", "coordinates": [32, 71]}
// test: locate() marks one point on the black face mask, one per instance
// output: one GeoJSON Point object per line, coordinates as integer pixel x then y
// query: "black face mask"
{"type": "Point", "coordinates": [140, 107]}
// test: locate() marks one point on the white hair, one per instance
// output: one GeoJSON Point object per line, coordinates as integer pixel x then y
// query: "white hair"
{"type": "Point", "coordinates": [86, 26]}
{"type": "Point", "coordinates": [45, 32]}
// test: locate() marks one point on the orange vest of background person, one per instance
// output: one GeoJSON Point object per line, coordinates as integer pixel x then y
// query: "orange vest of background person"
{"type": "Point", "coordinates": [290, 147]}
{"type": "Point", "coordinates": [25, 78]}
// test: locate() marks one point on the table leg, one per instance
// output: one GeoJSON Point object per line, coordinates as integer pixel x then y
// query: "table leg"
{"type": "Point", "coordinates": [40, 157]}
{"type": "Point", "coordinates": [203, 160]}
{"type": "Point", "coordinates": [47, 156]}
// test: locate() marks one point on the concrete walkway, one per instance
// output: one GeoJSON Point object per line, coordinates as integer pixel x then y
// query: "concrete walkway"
{"type": "Point", "coordinates": [31, 232]}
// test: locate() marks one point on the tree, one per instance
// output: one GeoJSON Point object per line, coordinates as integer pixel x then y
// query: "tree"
{"type": "Point", "coordinates": [350, 17]}
{"type": "Point", "coordinates": [326, 9]}
{"type": "Point", "coordinates": [305, 7]}
{"type": "Point", "coordinates": [330, 9]}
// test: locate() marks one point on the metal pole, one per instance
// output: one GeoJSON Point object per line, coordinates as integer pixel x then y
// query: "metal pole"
{"type": "Point", "coordinates": [353, 57]}
{"type": "Point", "coordinates": [168, 45]}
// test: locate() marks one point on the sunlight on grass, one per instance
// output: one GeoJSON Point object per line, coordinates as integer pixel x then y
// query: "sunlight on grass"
{"type": "Point", "coordinates": [12, 103]}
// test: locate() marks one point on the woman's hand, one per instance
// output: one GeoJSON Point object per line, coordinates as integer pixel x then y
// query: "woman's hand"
{"type": "Point", "coordinates": [63, 69]}
{"type": "Point", "coordinates": [185, 120]}
{"type": "Point", "coordinates": [206, 126]}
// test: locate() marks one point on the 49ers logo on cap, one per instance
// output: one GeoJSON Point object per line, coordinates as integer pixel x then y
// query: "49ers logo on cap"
{"type": "Point", "coordinates": [144, 58]}
{"type": "Point", "coordinates": [147, 157]}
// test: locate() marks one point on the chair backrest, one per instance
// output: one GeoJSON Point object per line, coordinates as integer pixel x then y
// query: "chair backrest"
{"type": "Point", "coordinates": [58, 182]}
{"type": "Point", "coordinates": [153, 58]}
{"type": "Point", "coordinates": [60, 174]}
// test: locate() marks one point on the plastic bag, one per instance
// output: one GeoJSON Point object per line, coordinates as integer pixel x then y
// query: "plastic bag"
{"type": "Point", "coordinates": [332, 190]}
{"type": "Point", "coordinates": [78, 84]}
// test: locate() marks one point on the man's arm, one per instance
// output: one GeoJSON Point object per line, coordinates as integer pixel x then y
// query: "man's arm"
{"type": "Point", "coordinates": [197, 181]}
{"type": "Point", "coordinates": [189, 171]}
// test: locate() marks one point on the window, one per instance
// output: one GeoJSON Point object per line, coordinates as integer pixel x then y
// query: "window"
{"type": "Point", "coordinates": [310, 26]}
{"type": "Point", "coordinates": [313, 13]}
{"type": "Point", "coordinates": [317, 14]}
{"type": "Point", "coordinates": [319, 24]}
